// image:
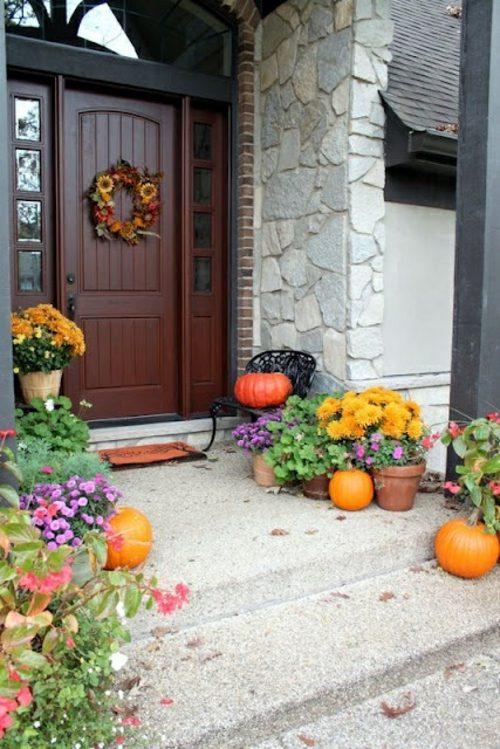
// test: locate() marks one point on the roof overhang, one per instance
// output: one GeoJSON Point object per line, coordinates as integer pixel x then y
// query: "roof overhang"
{"type": "Point", "coordinates": [420, 149]}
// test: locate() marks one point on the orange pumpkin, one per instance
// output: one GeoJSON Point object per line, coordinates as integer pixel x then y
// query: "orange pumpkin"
{"type": "Point", "coordinates": [134, 537]}
{"type": "Point", "coordinates": [466, 550]}
{"type": "Point", "coordinates": [262, 389]}
{"type": "Point", "coordinates": [351, 490]}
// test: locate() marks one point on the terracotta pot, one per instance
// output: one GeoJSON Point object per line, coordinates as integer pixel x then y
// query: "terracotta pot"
{"type": "Point", "coordinates": [40, 384]}
{"type": "Point", "coordinates": [317, 487]}
{"type": "Point", "coordinates": [396, 486]}
{"type": "Point", "coordinates": [263, 474]}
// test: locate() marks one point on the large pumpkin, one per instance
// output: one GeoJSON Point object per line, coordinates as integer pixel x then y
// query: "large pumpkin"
{"type": "Point", "coordinates": [262, 389]}
{"type": "Point", "coordinates": [134, 537]}
{"type": "Point", "coordinates": [466, 550]}
{"type": "Point", "coordinates": [351, 490]}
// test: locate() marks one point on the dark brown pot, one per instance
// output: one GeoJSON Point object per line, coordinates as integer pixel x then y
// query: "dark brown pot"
{"type": "Point", "coordinates": [396, 486]}
{"type": "Point", "coordinates": [317, 487]}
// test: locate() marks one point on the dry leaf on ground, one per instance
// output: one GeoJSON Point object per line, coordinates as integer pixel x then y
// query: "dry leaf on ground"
{"type": "Point", "coordinates": [211, 656]}
{"type": "Point", "coordinates": [279, 532]}
{"type": "Point", "coordinates": [453, 669]}
{"type": "Point", "coordinates": [336, 594]}
{"type": "Point", "coordinates": [409, 702]}
{"type": "Point", "coordinates": [307, 740]}
{"type": "Point", "coordinates": [386, 596]}
{"type": "Point", "coordinates": [195, 642]}
{"type": "Point", "coordinates": [311, 532]}
{"type": "Point", "coordinates": [341, 517]}
{"type": "Point", "coordinates": [126, 684]}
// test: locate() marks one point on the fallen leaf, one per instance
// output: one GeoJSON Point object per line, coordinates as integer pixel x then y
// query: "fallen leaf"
{"type": "Point", "coordinates": [229, 450]}
{"type": "Point", "coordinates": [311, 532]}
{"type": "Point", "coordinates": [452, 504]}
{"type": "Point", "coordinates": [453, 669]}
{"type": "Point", "coordinates": [419, 568]}
{"type": "Point", "coordinates": [469, 688]}
{"type": "Point", "coordinates": [212, 460]}
{"type": "Point", "coordinates": [211, 656]}
{"type": "Point", "coordinates": [160, 632]}
{"type": "Point", "coordinates": [335, 594]}
{"type": "Point", "coordinates": [386, 596]}
{"type": "Point", "coordinates": [307, 740]}
{"type": "Point", "coordinates": [340, 517]}
{"type": "Point", "coordinates": [166, 701]}
{"type": "Point", "coordinates": [153, 647]}
{"type": "Point", "coordinates": [407, 704]}
{"type": "Point", "coordinates": [195, 642]}
{"type": "Point", "coordinates": [202, 468]}
{"type": "Point", "coordinates": [124, 710]}
{"type": "Point", "coordinates": [126, 684]}
{"type": "Point", "coordinates": [279, 532]}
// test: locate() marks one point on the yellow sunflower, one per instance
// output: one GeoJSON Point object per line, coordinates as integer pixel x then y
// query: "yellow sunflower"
{"type": "Point", "coordinates": [148, 192]}
{"type": "Point", "coordinates": [105, 184]}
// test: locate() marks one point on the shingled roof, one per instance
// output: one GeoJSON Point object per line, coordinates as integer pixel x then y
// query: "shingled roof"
{"type": "Point", "coordinates": [424, 72]}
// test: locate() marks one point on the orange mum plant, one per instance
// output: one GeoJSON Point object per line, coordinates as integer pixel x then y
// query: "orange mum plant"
{"type": "Point", "coordinates": [381, 427]}
{"type": "Point", "coordinates": [44, 340]}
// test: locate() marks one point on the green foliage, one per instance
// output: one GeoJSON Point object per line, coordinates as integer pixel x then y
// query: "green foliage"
{"type": "Point", "coordinates": [53, 422]}
{"type": "Point", "coordinates": [59, 630]}
{"type": "Point", "coordinates": [35, 454]}
{"type": "Point", "coordinates": [478, 445]}
{"type": "Point", "coordinates": [72, 700]}
{"type": "Point", "coordinates": [301, 450]}
{"type": "Point", "coordinates": [9, 469]}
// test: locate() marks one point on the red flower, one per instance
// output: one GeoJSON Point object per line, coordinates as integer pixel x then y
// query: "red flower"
{"type": "Point", "coordinates": [24, 697]}
{"type": "Point", "coordinates": [115, 540]}
{"type": "Point", "coordinates": [454, 430]}
{"type": "Point", "coordinates": [494, 416]}
{"type": "Point", "coordinates": [47, 469]}
{"type": "Point", "coordinates": [131, 720]}
{"type": "Point", "coordinates": [120, 740]}
{"type": "Point", "coordinates": [166, 701]}
{"type": "Point", "coordinates": [452, 487]}
{"type": "Point", "coordinates": [495, 488]}
{"type": "Point", "coordinates": [48, 584]}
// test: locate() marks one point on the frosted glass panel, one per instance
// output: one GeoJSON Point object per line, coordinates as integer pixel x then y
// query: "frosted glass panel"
{"type": "Point", "coordinates": [29, 171]}
{"type": "Point", "coordinates": [27, 114]}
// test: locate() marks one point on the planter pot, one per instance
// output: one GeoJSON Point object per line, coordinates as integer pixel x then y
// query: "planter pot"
{"type": "Point", "coordinates": [317, 487]}
{"type": "Point", "coordinates": [40, 384]}
{"type": "Point", "coordinates": [262, 473]}
{"type": "Point", "coordinates": [396, 486]}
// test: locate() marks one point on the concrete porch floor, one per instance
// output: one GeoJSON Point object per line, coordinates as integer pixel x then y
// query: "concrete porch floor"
{"type": "Point", "coordinates": [288, 635]}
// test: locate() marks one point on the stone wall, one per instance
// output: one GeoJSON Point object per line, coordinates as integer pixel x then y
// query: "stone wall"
{"type": "Point", "coordinates": [319, 237]}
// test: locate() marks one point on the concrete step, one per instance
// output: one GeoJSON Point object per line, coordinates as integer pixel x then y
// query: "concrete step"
{"type": "Point", "coordinates": [239, 680]}
{"type": "Point", "coordinates": [453, 707]}
{"type": "Point", "coordinates": [213, 527]}
{"type": "Point", "coordinates": [196, 432]}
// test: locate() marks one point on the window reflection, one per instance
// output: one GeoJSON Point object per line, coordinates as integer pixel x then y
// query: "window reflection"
{"type": "Point", "coordinates": [29, 171]}
{"type": "Point", "coordinates": [178, 32]}
{"type": "Point", "coordinates": [27, 117]}
{"type": "Point", "coordinates": [29, 271]}
{"type": "Point", "coordinates": [202, 274]}
{"type": "Point", "coordinates": [29, 221]}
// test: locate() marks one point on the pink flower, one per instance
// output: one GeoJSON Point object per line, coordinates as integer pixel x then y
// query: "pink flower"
{"type": "Point", "coordinates": [166, 701]}
{"type": "Point", "coordinates": [452, 487]}
{"type": "Point", "coordinates": [495, 488]}
{"type": "Point", "coordinates": [48, 584]}
{"type": "Point", "coordinates": [168, 602]}
{"type": "Point", "coordinates": [47, 469]}
{"type": "Point", "coordinates": [131, 720]}
{"type": "Point", "coordinates": [397, 453]}
{"type": "Point", "coordinates": [454, 430]}
{"type": "Point", "coordinates": [24, 697]}
{"type": "Point", "coordinates": [494, 416]}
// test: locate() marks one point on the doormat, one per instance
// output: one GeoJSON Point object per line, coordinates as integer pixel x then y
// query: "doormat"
{"type": "Point", "coordinates": [121, 457]}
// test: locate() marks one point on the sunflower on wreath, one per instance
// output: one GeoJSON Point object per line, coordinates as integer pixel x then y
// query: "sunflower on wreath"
{"type": "Point", "coordinates": [144, 189]}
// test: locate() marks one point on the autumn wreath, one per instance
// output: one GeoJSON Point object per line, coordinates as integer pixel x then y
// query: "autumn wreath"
{"type": "Point", "coordinates": [144, 189]}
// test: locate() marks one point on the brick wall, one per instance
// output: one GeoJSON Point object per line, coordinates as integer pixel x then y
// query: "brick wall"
{"type": "Point", "coordinates": [248, 18]}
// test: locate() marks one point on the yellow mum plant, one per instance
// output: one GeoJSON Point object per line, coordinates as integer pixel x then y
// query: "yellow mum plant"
{"type": "Point", "coordinates": [44, 340]}
{"type": "Point", "coordinates": [382, 427]}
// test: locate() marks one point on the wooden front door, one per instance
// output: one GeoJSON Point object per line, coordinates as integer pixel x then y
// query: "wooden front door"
{"type": "Point", "coordinates": [125, 298]}
{"type": "Point", "coordinates": [154, 315]}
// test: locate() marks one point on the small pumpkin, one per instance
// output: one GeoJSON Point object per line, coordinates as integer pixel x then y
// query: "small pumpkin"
{"type": "Point", "coordinates": [262, 389]}
{"type": "Point", "coordinates": [351, 490]}
{"type": "Point", "coordinates": [133, 539]}
{"type": "Point", "coordinates": [466, 550]}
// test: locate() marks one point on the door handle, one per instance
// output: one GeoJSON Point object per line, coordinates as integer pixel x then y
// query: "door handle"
{"type": "Point", "coordinates": [71, 306]}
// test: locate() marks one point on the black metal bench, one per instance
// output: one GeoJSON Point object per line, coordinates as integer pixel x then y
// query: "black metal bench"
{"type": "Point", "coordinates": [297, 365]}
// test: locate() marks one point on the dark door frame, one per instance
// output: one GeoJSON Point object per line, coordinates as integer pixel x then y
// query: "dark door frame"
{"type": "Point", "coordinates": [28, 55]}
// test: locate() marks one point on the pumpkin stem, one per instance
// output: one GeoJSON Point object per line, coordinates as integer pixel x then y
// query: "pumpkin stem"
{"type": "Point", "coordinates": [476, 514]}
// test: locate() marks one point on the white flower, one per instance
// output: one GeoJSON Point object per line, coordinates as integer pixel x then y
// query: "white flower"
{"type": "Point", "coordinates": [118, 660]}
{"type": "Point", "coordinates": [36, 724]}
{"type": "Point", "coordinates": [49, 404]}
{"type": "Point", "coordinates": [120, 609]}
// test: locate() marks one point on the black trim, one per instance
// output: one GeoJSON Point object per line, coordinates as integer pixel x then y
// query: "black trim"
{"type": "Point", "coordinates": [404, 146]}
{"type": "Point", "coordinates": [422, 186]}
{"type": "Point", "coordinates": [84, 64]}
{"type": "Point", "coordinates": [134, 421]}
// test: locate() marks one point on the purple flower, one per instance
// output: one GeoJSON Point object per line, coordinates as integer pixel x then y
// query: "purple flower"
{"type": "Point", "coordinates": [369, 461]}
{"type": "Point", "coordinates": [377, 437]}
{"type": "Point", "coordinates": [360, 451]}
{"type": "Point", "coordinates": [397, 453]}
{"type": "Point", "coordinates": [83, 501]}
{"type": "Point", "coordinates": [76, 542]}
{"type": "Point", "coordinates": [52, 546]}
{"type": "Point", "coordinates": [375, 447]}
